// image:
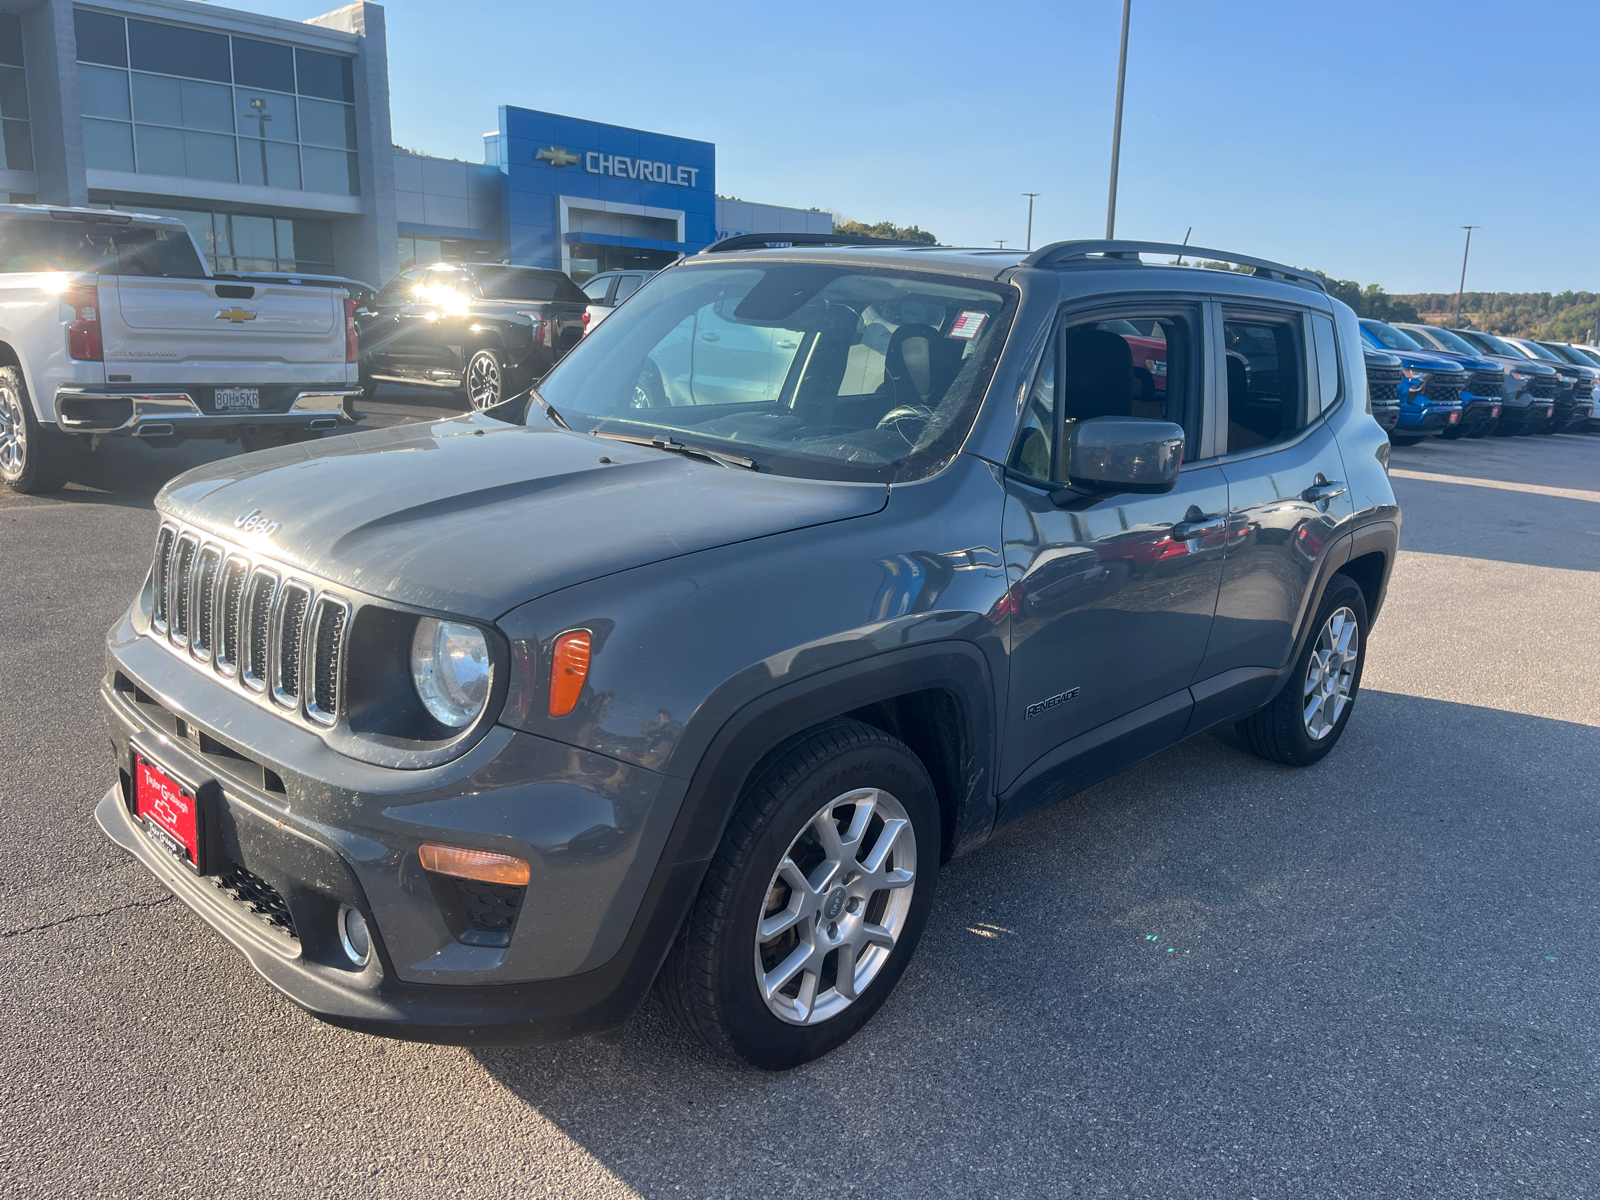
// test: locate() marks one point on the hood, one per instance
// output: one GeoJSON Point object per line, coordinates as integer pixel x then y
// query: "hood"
{"type": "Point", "coordinates": [1468, 362]}
{"type": "Point", "coordinates": [475, 517]}
{"type": "Point", "coordinates": [1429, 360]}
{"type": "Point", "coordinates": [1527, 366]}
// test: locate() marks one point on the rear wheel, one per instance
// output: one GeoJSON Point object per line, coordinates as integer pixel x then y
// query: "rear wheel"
{"type": "Point", "coordinates": [814, 903]}
{"type": "Point", "coordinates": [32, 455]}
{"type": "Point", "coordinates": [1307, 718]}
{"type": "Point", "coordinates": [485, 382]}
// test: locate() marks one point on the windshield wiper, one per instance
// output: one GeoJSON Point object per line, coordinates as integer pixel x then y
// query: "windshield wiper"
{"type": "Point", "coordinates": [549, 410]}
{"type": "Point", "coordinates": [663, 442]}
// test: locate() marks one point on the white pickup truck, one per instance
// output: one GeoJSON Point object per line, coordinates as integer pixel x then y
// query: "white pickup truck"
{"type": "Point", "coordinates": [111, 325]}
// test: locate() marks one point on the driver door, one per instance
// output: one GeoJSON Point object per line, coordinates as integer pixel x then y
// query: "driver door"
{"type": "Point", "coordinates": [1112, 598]}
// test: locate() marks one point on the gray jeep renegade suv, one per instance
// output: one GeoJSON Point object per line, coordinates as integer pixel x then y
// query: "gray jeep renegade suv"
{"type": "Point", "coordinates": [811, 568]}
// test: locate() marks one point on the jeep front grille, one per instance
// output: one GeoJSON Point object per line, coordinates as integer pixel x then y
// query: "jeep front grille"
{"type": "Point", "coordinates": [272, 633]}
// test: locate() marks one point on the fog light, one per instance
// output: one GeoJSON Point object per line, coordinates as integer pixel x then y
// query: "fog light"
{"type": "Point", "coordinates": [354, 936]}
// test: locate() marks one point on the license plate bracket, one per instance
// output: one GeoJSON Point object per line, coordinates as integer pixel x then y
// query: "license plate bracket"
{"type": "Point", "coordinates": [236, 399]}
{"type": "Point", "coordinates": [178, 813]}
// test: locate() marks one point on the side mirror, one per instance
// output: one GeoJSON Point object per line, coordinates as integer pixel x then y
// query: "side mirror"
{"type": "Point", "coordinates": [1124, 454]}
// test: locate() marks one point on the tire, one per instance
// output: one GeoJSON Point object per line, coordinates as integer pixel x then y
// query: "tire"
{"type": "Point", "coordinates": [709, 981]}
{"type": "Point", "coordinates": [369, 386]}
{"type": "Point", "coordinates": [1486, 428]}
{"type": "Point", "coordinates": [1282, 731]}
{"type": "Point", "coordinates": [1454, 432]}
{"type": "Point", "coordinates": [484, 381]}
{"type": "Point", "coordinates": [1405, 441]}
{"type": "Point", "coordinates": [649, 391]}
{"type": "Point", "coordinates": [33, 456]}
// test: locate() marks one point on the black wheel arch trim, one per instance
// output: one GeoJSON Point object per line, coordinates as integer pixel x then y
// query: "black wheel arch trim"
{"type": "Point", "coordinates": [725, 747]}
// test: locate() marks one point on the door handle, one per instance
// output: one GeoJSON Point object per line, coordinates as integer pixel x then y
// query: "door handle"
{"type": "Point", "coordinates": [1196, 524]}
{"type": "Point", "coordinates": [1323, 490]}
{"type": "Point", "coordinates": [709, 337]}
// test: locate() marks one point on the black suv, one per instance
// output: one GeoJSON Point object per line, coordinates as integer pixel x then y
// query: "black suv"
{"type": "Point", "coordinates": [483, 330]}
{"type": "Point", "coordinates": [809, 569]}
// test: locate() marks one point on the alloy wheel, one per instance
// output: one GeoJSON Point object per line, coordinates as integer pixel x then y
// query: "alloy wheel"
{"type": "Point", "coordinates": [836, 905]}
{"type": "Point", "coordinates": [1330, 676]}
{"type": "Point", "coordinates": [13, 435]}
{"type": "Point", "coordinates": [483, 382]}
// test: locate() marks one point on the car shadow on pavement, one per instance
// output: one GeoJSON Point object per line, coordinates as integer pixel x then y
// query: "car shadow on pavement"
{"type": "Point", "coordinates": [1207, 974]}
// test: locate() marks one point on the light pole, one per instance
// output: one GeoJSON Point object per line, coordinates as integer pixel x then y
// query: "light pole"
{"type": "Point", "coordinates": [1116, 128]}
{"type": "Point", "coordinates": [1464, 253]}
{"type": "Point", "coordinates": [1001, 242]}
{"type": "Point", "coordinates": [1032, 196]}
{"type": "Point", "coordinates": [262, 116]}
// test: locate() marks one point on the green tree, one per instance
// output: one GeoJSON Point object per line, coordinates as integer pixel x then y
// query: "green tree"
{"type": "Point", "coordinates": [886, 229]}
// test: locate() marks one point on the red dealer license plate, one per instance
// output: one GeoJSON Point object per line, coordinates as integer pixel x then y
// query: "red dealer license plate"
{"type": "Point", "coordinates": [169, 810]}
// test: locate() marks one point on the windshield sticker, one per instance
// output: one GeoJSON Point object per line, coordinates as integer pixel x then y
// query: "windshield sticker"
{"type": "Point", "coordinates": [967, 325]}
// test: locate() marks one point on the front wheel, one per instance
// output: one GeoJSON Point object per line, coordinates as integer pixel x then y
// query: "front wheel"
{"type": "Point", "coordinates": [814, 902]}
{"type": "Point", "coordinates": [1303, 723]}
{"type": "Point", "coordinates": [1405, 441]}
{"type": "Point", "coordinates": [485, 380]}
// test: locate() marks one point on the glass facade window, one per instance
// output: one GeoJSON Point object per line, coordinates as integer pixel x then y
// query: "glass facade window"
{"type": "Point", "coordinates": [16, 134]}
{"type": "Point", "coordinates": [249, 242]}
{"type": "Point", "coordinates": [427, 250]}
{"type": "Point", "coordinates": [169, 100]}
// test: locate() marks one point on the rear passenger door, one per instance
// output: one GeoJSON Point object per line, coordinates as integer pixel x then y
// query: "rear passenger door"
{"type": "Point", "coordinates": [1112, 598]}
{"type": "Point", "coordinates": [1285, 476]}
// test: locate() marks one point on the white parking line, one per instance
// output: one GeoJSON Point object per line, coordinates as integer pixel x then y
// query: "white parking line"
{"type": "Point", "coordinates": [1502, 485]}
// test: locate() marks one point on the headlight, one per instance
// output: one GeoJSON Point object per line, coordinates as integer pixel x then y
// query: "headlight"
{"type": "Point", "coordinates": [450, 668]}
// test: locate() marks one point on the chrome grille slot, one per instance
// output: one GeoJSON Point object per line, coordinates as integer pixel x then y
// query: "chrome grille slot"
{"type": "Point", "coordinates": [295, 599]}
{"type": "Point", "coordinates": [230, 615]}
{"type": "Point", "coordinates": [203, 601]}
{"type": "Point", "coordinates": [178, 591]}
{"type": "Point", "coordinates": [328, 624]}
{"type": "Point", "coordinates": [263, 590]}
{"type": "Point", "coordinates": [158, 578]}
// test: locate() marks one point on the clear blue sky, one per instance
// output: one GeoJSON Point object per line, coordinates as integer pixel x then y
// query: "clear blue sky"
{"type": "Point", "coordinates": [1354, 136]}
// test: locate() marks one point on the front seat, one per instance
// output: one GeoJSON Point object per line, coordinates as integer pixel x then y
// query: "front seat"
{"type": "Point", "coordinates": [920, 364]}
{"type": "Point", "coordinates": [1099, 374]}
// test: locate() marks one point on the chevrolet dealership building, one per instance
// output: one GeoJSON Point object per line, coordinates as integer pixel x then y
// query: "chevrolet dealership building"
{"type": "Point", "coordinates": [271, 140]}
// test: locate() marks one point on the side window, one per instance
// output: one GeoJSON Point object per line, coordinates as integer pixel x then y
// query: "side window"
{"type": "Point", "coordinates": [1034, 455]}
{"type": "Point", "coordinates": [1327, 361]}
{"type": "Point", "coordinates": [627, 285]}
{"type": "Point", "coordinates": [1266, 378]}
{"type": "Point", "coordinates": [1137, 364]}
{"type": "Point", "coordinates": [596, 289]}
{"type": "Point", "coordinates": [400, 289]}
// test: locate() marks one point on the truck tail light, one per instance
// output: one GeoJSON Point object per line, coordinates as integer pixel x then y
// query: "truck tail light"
{"type": "Point", "coordinates": [352, 340]}
{"type": "Point", "coordinates": [569, 668]}
{"type": "Point", "coordinates": [83, 331]}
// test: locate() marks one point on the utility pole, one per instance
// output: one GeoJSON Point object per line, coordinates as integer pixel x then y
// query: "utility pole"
{"type": "Point", "coordinates": [1032, 196]}
{"type": "Point", "coordinates": [1463, 286]}
{"type": "Point", "coordinates": [1116, 128]}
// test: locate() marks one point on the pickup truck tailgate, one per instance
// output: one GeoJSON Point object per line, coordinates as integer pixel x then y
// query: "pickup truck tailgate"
{"type": "Point", "coordinates": [184, 320]}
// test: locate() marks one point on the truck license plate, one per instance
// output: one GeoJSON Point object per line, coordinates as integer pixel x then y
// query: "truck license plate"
{"type": "Point", "coordinates": [238, 397]}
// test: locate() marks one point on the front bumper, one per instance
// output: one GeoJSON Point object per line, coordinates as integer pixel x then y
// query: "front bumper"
{"type": "Point", "coordinates": [1479, 410]}
{"type": "Point", "coordinates": [175, 413]}
{"type": "Point", "coordinates": [308, 830]}
{"type": "Point", "coordinates": [1428, 421]}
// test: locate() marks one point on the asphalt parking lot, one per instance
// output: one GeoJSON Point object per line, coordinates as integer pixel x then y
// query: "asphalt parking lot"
{"type": "Point", "coordinates": [1208, 977]}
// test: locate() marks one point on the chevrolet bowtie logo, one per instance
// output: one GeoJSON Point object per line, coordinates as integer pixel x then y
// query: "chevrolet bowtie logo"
{"type": "Point", "coordinates": [558, 156]}
{"type": "Point", "coordinates": [237, 315]}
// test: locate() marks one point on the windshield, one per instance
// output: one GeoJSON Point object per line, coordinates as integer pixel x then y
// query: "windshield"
{"type": "Point", "coordinates": [1537, 351]}
{"type": "Point", "coordinates": [1590, 357]}
{"type": "Point", "coordinates": [1488, 343]}
{"type": "Point", "coordinates": [1450, 341]}
{"type": "Point", "coordinates": [824, 371]}
{"type": "Point", "coordinates": [1389, 337]}
{"type": "Point", "coordinates": [101, 248]}
{"type": "Point", "coordinates": [1560, 351]}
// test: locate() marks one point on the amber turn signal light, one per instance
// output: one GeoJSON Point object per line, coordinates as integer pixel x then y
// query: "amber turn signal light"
{"type": "Point", "coordinates": [483, 865]}
{"type": "Point", "coordinates": [569, 667]}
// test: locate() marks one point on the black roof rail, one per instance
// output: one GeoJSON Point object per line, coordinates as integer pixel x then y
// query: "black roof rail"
{"type": "Point", "coordinates": [1059, 254]}
{"type": "Point", "coordinates": [774, 241]}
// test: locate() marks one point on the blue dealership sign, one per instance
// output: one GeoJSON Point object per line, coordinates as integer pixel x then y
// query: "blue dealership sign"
{"type": "Point", "coordinates": [583, 196]}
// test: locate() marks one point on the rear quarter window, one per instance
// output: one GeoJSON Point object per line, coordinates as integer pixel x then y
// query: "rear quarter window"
{"type": "Point", "coordinates": [526, 284]}
{"type": "Point", "coordinates": [35, 245]}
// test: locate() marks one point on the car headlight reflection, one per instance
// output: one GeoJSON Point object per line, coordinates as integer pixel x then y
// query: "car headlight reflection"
{"type": "Point", "coordinates": [450, 668]}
